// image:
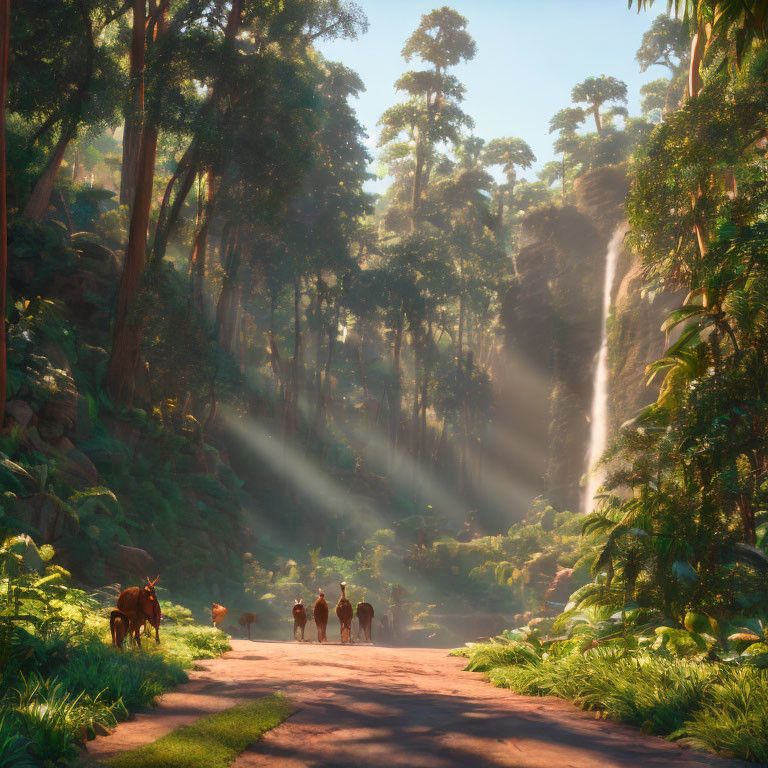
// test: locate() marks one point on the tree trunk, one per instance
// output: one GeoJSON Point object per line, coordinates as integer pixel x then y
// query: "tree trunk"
{"type": "Point", "coordinates": [500, 215]}
{"type": "Point", "coordinates": [418, 368]}
{"type": "Point", "coordinates": [135, 112]}
{"type": "Point", "coordinates": [126, 337]}
{"type": "Point", "coordinates": [318, 311]}
{"type": "Point", "coordinates": [416, 193]}
{"type": "Point", "coordinates": [364, 371]}
{"type": "Point", "coordinates": [198, 257]}
{"type": "Point", "coordinates": [460, 354]}
{"type": "Point", "coordinates": [39, 200]}
{"type": "Point", "coordinates": [425, 389]}
{"type": "Point", "coordinates": [226, 305]}
{"type": "Point", "coordinates": [166, 221]}
{"type": "Point", "coordinates": [394, 393]}
{"type": "Point", "coordinates": [276, 360]}
{"type": "Point", "coordinates": [5, 25]}
{"type": "Point", "coordinates": [596, 115]}
{"type": "Point", "coordinates": [698, 47]}
{"type": "Point", "coordinates": [187, 168]}
{"type": "Point", "coordinates": [563, 179]}
{"type": "Point", "coordinates": [296, 362]}
{"type": "Point", "coordinates": [324, 393]}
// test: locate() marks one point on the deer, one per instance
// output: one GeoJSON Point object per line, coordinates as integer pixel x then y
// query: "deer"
{"type": "Point", "coordinates": [120, 626]}
{"type": "Point", "coordinates": [345, 613]}
{"type": "Point", "coordinates": [299, 620]}
{"type": "Point", "coordinates": [136, 606]}
{"type": "Point", "coordinates": [320, 611]}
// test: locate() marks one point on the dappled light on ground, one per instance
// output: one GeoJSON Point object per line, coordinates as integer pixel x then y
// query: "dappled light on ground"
{"type": "Point", "coordinates": [400, 708]}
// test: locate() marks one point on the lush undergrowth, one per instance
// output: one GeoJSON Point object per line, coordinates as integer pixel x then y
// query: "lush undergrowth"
{"type": "Point", "coordinates": [676, 683]}
{"type": "Point", "coordinates": [61, 682]}
{"type": "Point", "coordinates": [427, 589]}
{"type": "Point", "coordinates": [211, 742]}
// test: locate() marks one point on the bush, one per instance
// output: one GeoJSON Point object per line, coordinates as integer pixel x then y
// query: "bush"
{"type": "Point", "coordinates": [734, 717]}
{"type": "Point", "coordinates": [488, 656]}
{"type": "Point", "coordinates": [721, 706]}
{"type": "Point", "coordinates": [131, 679]}
{"type": "Point", "coordinates": [54, 720]}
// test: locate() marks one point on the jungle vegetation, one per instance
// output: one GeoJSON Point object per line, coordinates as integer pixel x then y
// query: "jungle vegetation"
{"type": "Point", "coordinates": [226, 361]}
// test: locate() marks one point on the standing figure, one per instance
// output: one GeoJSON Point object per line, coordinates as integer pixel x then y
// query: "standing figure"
{"type": "Point", "coordinates": [299, 620]}
{"type": "Point", "coordinates": [246, 619]}
{"type": "Point", "coordinates": [120, 625]}
{"type": "Point", "coordinates": [218, 612]}
{"type": "Point", "coordinates": [365, 617]}
{"type": "Point", "coordinates": [345, 613]}
{"type": "Point", "coordinates": [320, 611]}
{"type": "Point", "coordinates": [138, 605]}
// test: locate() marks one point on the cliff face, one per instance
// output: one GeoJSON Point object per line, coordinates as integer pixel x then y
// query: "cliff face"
{"type": "Point", "coordinates": [635, 340]}
{"type": "Point", "coordinates": [553, 321]}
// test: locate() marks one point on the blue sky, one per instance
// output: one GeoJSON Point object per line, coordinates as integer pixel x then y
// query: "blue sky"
{"type": "Point", "coordinates": [530, 54]}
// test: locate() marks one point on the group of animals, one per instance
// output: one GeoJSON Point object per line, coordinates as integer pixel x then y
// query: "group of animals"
{"type": "Point", "coordinates": [137, 607]}
{"type": "Point", "coordinates": [344, 612]}
{"type": "Point", "coordinates": [219, 612]}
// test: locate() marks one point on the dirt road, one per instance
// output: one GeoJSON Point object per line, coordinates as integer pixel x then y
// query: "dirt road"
{"type": "Point", "coordinates": [396, 708]}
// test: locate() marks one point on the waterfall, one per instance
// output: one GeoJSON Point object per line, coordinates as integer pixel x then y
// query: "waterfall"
{"type": "Point", "coordinates": [598, 434]}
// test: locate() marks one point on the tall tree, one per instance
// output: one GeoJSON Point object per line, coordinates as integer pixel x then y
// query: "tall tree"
{"type": "Point", "coordinates": [135, 107]}
{"type": "Point", "coordinates": [566, 123]}
{"type": "Point", "coordinates": [126, 336]}
{"type": "Point", "coordinates": [432, 113]}
{"type": "Point", "coordinates": [666, 44]}
{"type": "Point", "coordinates": [508, 154]}
{"type": "Point", "coordinates": [5, 24]}
{"type": "Point", "coordinates": [596, 91]}
{"type": "Point", "coordinates": [733, 26]}
{"type": "Point", "coordinates": [65, 74]}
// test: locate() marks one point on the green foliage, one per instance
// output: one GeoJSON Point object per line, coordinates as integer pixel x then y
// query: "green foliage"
{"type": "Point", "coordinates": [679, 516]}
{"type": "Point", "coordinates": [733, 718]}
{"type": "Point", "coordinates": [61, 682]}
{"type": "Point", "coordinates": [629, 682]}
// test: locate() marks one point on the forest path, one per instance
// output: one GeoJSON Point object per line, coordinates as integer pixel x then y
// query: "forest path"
{"type": "Point", "coordinates": [378, 707]}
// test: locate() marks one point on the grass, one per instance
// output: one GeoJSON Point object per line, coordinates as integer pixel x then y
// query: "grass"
{"type": "Point", "coordinates": [721, 707]}
{"type": "Point", "coordinates": [213, 741]}
{"type": "Point", "coordinates": [64, 688]}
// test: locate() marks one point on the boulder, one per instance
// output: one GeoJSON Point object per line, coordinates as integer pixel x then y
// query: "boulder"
{"type": "Point", "coordinates": [48, 517]}
{"type": "Point", "coordinates": [59, 414]}
{"type": "Point", "coordinates": [76, 463]}
{"type": "Point", "coordinates": [21, 412]}
{"type": "Point", "coordinates": [133, 560]}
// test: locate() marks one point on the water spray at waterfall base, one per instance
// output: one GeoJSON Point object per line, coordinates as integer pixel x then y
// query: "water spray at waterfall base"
{"type": "Point", "coordinates": [598, 434]}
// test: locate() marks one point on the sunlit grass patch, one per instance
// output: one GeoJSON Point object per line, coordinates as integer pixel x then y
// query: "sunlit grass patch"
{"type": "Point", "coordinates": [213, 741]}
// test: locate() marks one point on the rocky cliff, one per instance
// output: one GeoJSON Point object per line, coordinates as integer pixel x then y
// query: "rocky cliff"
{"type": "Point", "coordinates": [553, 319]}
